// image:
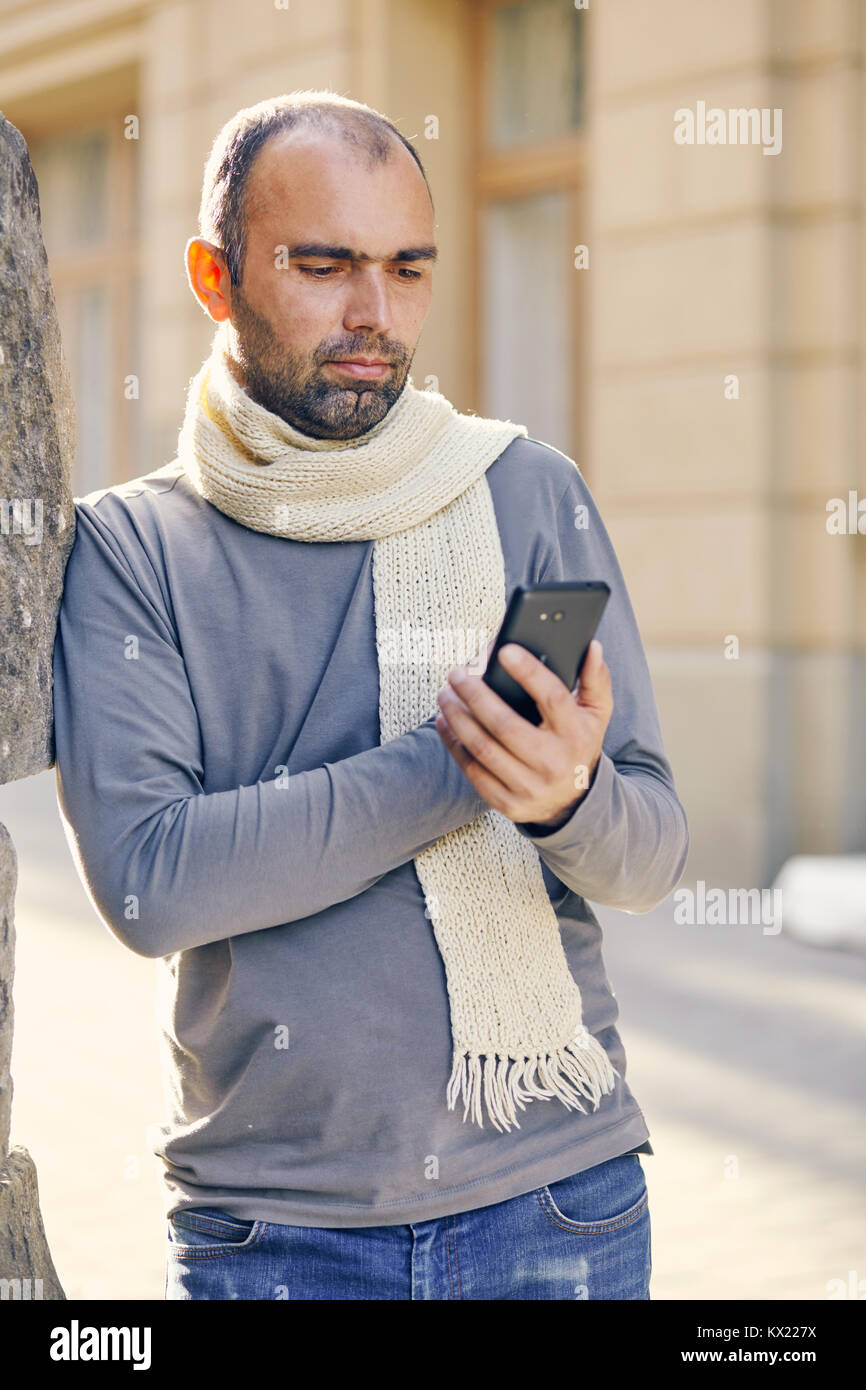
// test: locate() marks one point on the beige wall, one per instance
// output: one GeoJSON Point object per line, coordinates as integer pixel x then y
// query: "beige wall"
{"type": "Point", "coordinates": [705, 261]}
{"type": "Point", "coordinates": [718, 260]}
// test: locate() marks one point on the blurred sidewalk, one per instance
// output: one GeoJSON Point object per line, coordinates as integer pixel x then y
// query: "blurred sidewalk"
{"type": "Point", "coordinates": [84, 1066]}
{"type": "Point", "coordinates": [746, 1054]}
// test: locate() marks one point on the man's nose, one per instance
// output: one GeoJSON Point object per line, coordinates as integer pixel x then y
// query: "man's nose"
{"type": "Point", "coordinates": [368, 305]}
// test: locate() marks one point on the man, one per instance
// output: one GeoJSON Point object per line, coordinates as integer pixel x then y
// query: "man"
{"type": "Point", "coordinates": [330, 844]}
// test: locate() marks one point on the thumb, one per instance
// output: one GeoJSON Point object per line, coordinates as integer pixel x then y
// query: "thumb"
{"type": "Point", "coordinates": [594, 683]}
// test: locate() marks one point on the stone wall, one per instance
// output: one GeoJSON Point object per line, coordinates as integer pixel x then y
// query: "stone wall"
{"type": "Point", "coordinates": [37, 529]}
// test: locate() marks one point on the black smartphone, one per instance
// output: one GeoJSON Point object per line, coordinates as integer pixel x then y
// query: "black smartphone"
{"type": "Point", "coordinates": [556, 622]}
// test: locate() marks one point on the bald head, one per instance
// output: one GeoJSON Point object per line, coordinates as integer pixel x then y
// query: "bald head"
{"type": "Point", "coordinates": [335, 254]}
{"type": "Point", "coordinates": [368, 136]}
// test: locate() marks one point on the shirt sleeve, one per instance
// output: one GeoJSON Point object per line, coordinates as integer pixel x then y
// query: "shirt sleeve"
{"type": "Point", "coordinates": [626, 843]}
{"type": "Point", "coordinates": [168, 866]}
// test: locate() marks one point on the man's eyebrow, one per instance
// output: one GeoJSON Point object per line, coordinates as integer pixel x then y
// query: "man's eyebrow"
{"type": "Point", "coordinates": [345, 253]}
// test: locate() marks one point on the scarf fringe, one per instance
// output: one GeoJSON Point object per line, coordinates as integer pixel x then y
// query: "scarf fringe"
{"type": "Point", "coordinates": [579, 1068]}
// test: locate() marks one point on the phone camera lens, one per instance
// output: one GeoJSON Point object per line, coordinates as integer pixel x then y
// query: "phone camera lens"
{"type": "Point", "coordinates": [542, 616]}
{"type": "Point", "coordinates": [557, 616]}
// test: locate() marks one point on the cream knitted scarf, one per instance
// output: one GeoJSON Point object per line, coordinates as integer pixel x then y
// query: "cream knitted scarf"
{"type": "Point", "coordinates": [415, 484]}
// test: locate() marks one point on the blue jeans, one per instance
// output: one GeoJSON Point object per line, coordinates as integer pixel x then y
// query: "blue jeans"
{"type": "Point", "coordinates": [587, 1236]}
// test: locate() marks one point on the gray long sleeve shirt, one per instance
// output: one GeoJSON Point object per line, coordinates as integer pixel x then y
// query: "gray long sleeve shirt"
{"type": "Point", "coordinates": [233, 816]}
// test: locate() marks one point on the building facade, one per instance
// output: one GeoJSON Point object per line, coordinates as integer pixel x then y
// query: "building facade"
{"type": "Point", "coordinates": [670, 292]}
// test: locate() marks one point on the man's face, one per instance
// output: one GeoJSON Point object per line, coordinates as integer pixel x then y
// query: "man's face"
{"type": "Point", "coordinates": [295, 312]}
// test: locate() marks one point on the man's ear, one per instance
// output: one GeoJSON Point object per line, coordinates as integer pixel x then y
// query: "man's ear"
{"type": "Point", "coordinates": [209, 278]}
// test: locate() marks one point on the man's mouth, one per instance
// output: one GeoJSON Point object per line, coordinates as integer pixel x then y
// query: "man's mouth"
{"type": "Point", "coordinates": [364, 368]}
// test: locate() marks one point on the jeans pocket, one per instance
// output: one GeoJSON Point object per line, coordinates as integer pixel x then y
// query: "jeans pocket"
{"type": "Point", "coordinates": [204, 1231]}
{"type": "Point", "coordinates": [598, 1200]}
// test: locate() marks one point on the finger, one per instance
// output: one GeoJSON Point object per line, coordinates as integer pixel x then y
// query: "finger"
{"type": "Point", "coordinates": [517, 735]}
{"type": "Point", "coordinates": [494, 792]}
{"type": "Point", "coordinates": [594, 687]}
{"type": "Point", "coordinates": [515, 773]}
{"type": "Point", "coordinates": [554, 699]}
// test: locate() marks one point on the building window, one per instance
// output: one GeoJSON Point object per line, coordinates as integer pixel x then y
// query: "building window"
{"type": "Point", "coordinates": [89, 206]}
{"type": "Point", "coordinates": [526, 317]}
{"type": "Point", "coordinates": [535, 91]}
{"type": "Point", "coordinates": [529, 174]}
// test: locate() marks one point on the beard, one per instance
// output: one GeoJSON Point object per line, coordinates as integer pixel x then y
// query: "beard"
{"type": "Point", "coordinates": [295, 388]}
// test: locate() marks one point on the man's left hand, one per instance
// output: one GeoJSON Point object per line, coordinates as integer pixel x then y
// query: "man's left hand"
{"type": "Point", "coordinates": [528, 772]}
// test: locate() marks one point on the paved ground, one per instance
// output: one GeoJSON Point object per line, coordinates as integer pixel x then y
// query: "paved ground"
{"type": "Point", "coordinates": [746, 1053]}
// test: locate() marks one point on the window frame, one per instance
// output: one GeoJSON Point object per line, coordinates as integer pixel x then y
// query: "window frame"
{"type": "Point", "coordinates": [558, 164]}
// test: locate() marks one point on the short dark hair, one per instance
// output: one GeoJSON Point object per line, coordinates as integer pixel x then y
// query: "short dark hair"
{"type": "Point", "coordinates": [222, 213]}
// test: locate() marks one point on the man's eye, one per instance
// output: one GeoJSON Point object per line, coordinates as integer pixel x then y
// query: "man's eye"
{"type": "Point", "coordinates": [322, 272]}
